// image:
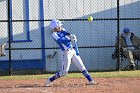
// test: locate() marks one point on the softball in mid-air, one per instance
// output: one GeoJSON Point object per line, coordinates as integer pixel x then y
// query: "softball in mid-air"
{"type": "Point", "coordinates": [90, 18]}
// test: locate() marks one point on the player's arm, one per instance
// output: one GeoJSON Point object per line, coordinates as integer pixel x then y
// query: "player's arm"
{"type": "Point", "coordinates": [71, 36]}
{"type": "Point", "coordinates": [137, 39]}
{"type": "Point", "coordinates": [74, 40]}
{"type": "Point", "coordinates": [60, 40]}
{"type": "Point", "coordinates": [66, 33]}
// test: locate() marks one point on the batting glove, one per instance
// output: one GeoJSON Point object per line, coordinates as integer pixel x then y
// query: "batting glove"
{"type": "Point", "coordinates": [73, 37]}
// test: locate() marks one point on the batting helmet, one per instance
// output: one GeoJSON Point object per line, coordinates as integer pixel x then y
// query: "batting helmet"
{"type": "Point", "coordinates": [55, 23]}
{"type": "Point", "coordinates": [126, 30]}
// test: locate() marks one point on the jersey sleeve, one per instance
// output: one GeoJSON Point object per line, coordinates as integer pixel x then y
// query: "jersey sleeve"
{"type": "Point", "coordinates": [60, 40]}
{"type": "Point", "coordinates": [66, 33]}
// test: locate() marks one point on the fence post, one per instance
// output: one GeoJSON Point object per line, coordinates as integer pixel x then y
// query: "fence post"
{"type": "Point", "coordinates": [9, 36]}
{"type": "Point", "coordinates": [118, 36]}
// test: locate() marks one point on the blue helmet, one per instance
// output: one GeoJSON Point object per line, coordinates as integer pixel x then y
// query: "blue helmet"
{"type": "Point", "coordinates": [126, 30]}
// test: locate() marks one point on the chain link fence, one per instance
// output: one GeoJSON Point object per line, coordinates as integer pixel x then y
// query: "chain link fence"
{"type": "Point", "coordinates": [24, 27]}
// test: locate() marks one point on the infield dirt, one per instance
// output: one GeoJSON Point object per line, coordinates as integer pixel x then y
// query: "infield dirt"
{"type": "Point", "coordinates": [72, 85]}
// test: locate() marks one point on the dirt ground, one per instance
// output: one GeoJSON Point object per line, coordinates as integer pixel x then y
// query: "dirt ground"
{"type": "Point", "coordinates": [72, 85]}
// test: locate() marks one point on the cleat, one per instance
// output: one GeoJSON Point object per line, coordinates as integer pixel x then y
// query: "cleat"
{"type": "Point", "coordinates": [47, 83]}
{"type": "Point", "coordinates": [92, 83]}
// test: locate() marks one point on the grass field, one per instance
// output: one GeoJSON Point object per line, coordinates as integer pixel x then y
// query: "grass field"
{"type": "Point", "coordinates": [114, 74]}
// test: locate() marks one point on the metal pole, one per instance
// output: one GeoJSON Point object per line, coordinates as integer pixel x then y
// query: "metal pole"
{"type": "Point", "coordinates": [9, 37]}
{"type": "Point", "coordinates": [118, 38]}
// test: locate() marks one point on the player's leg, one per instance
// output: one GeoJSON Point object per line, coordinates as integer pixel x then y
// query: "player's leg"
{"type": "Point", "coordinates": [66, 61]}
{"type": "Point", "coordinates": [136, 54]}
{"type": "Point", "coordinates": [130, 58]}
{"type": "Point", "coordinates": [79, 63]}
{"type": "Point", "coordinates": [2, 50]}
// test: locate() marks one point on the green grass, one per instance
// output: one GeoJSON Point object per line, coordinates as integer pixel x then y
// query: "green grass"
{"type": "Point", "coordinates": [119, 74]}
{"type": "Point", "coordinates": [114, 74]}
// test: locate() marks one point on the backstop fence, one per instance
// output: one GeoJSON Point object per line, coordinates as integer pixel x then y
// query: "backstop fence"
{"type": "Point", "coordinates": [24, 27]}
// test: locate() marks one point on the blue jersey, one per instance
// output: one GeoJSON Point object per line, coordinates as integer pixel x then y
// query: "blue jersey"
{"type": "Point", "coordinates": [62, 39]}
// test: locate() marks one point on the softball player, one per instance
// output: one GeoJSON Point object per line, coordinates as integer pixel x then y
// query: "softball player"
{"type": "Point", "coordinates": [68, 53]}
